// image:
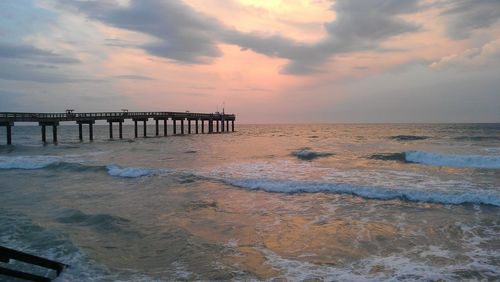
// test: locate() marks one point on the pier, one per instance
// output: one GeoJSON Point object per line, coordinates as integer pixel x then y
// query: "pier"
{"type": "Point", "coordinates": [222, 122]}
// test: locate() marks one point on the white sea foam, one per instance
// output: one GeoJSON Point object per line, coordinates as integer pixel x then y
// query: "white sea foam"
{"type": "Point", "coordinates": [30, 162]}
{"type": "Point", "coordinates": [132, 172]}
{"type": "Point", "coordinates": [370, 192]}
{"type": "Point", "coordinates": [472, 161]}
{"type": "Point", "coordinates": [397, 267]}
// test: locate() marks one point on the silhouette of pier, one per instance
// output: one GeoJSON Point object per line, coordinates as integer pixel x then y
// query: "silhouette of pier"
{"type": "Point", "coordinates": [44, 120]}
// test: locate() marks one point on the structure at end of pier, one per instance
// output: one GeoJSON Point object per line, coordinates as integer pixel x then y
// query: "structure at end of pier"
{"type": "Point", "coordinates": [220, 120]}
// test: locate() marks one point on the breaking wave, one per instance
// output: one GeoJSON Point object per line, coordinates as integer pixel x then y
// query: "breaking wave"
{"type": "Point", "coordinates": [132, 172]}
{"type": "Point", "coordinates": [72, 163]}
{"type": "Point", "coordinates": [470, 161]}
{"type": "Point", "coordinates": [29, 162]}
{"type": "Point", "coordinates": [379, 193]}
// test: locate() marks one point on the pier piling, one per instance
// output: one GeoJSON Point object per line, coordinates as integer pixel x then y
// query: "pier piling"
{"type": "Point", "coordinates": [80, 132]}
{"type": "Point", "coordinates": [196, 124]}
{"type": "Point", "coordinates": [182, 126]}
{"type": "Point", "coordinates": [120, 129]}
{"type": "Point", "coordinates": [44, 136]}
{"type": "Point", "coordinates": [175, 126]}
{"type": "Point", "coordinates": [157, 127]}
{"type": "Point", "coordinates": [135, 128]}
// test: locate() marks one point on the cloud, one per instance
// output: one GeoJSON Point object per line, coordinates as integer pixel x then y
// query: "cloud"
{"type": "Point", "coordinates": [187, 36]}
{"type": "Point", "coordinates": [181, 33]}
{"type": "Point", "coordinates": [486, 55]}
{"type": "Point", "coordinates": [465, 16]}
{"type": "Point", "coordinates": [27, 52]}
{"type": "Point", "coordinates": [133, 77]}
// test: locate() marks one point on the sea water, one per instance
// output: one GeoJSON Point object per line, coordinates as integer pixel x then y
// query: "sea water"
{"type": "Point", "coordinates": [340, 202]}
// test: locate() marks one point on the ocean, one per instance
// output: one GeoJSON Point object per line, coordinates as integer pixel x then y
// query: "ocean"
{"type": "Point", "coordinates": [342, 202]}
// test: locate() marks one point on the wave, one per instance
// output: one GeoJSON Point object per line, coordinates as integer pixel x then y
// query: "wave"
{"type": "Point", "coordinates": [379, 193]}
{"type": "Point", "coordinates": [71, 163]}
{"type": "Point", "coordinates": [477, 138]}
{"type": "Point", "coordinates": [389, 157]}
{"type": "Point", "coordinates": [408, 137]}
{"type": "Point", "coordinates": [132, 172]}
{"type": "Point", "coordinates": [29, 162]}
{"type": "Point", "coordinates": [99, 222]}
{"type": "Point", "coordinates": [307, 154]}
{"type": "Point", "coordinates": [469, 161]}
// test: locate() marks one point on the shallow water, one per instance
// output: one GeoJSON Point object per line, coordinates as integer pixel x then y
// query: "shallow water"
{"type": "Point", "coordinates": [334, 202]}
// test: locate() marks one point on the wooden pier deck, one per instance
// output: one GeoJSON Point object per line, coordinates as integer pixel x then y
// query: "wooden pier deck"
{"type": "Point", "coordinates": [221, 120]}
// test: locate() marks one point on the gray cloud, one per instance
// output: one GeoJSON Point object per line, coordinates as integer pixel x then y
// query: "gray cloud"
{"type": "Point", "coordinates": [16, 71]}
{"type": "Point", "coordinates": [464, 16]}
{"type": "Point", "coordinates": [133, 77]}
{"type": "Point", "coordinates": [187, 36]}
{"type": "Point", "coordinates": [182, 34]}
{"type": "Point", "coordinates": [22, 51]}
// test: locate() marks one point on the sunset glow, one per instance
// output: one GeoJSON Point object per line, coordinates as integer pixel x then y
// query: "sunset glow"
{"type": "Point", "coordinates": [268, 61]}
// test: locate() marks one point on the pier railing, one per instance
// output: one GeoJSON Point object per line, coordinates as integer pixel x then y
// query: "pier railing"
{"type": "Point", "coordinates": [8, 119]}
{"type": "Point", "coordinates": [36, 117]}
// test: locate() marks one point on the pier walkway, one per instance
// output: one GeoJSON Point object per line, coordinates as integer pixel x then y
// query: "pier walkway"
{"type": "Point", "coordinates": [220, 120]}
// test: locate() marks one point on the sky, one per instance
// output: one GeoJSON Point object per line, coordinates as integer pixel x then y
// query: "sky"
{"type": "Point", "coordinates": [269, 61]}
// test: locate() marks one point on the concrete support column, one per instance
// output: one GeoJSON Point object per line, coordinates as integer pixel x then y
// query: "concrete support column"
{"type": "Point", "coordinates": [44, 135]}
{"type": "Point", "coordinates": [211, 126]}
{"type": "Point", "coordinates": [196, 124]}
{"type": "Point", "coordinates": [217, 125]}
{"type": "Point", "coordinates": [202, 126]}
{"type": "Point", "coordinates": [54, 133]}
{"type": "Point", "coordinates": [80, 132]}
{"type": "Point", "coordinates": [9, 134]}
{"type": "Point", "coordinates": [135, 129]}
{"type": "Point", "coordinates": [182, 126]}
{"type": "Point", "coordinates": [120, 129]}
{"type": "Point", "coordinates": [164, 127]}
{"type": "Point", "coordinates": [175, 126]}
{"type": "Point", "coordinates": [110, 130]}
{"type": "Point", "coordinates": [189, 126]}
{"type": "Point", "coordinates": [157, 128]}
{"type": "Point", "coordinates": [232, 125]}
{"type": "Point", "coordinates": [222, 125]}
{"type": "Point", "coordinates": [145, 128]}
{"type": "Point", "coordinates": [227, 125]}
{"type": "Point", "coordinates": [91, 132]}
